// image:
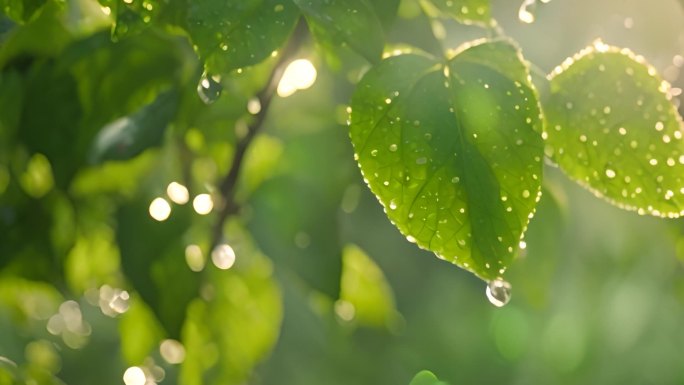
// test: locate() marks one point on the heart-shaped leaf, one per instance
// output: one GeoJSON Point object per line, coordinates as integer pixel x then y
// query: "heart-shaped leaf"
{"type": "Point", "coordinates": [613, 129]}
{"type": "Point", "coordinates": [452, 150]}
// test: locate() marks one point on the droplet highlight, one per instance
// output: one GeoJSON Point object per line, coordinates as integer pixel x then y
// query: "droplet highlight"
{"type": "Point", "coordinates": [498, 292]}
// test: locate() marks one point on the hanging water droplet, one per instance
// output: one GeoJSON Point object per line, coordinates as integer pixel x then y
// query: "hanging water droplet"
{"type": "Point", "coordinates": [209, 88]}
{"type": "Point", "coordinates": [498, 292]}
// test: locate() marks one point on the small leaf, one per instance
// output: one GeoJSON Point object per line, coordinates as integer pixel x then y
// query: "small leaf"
{"type": "Point", "coordinates": [426, 377]}
{"type": "Point", "coordinates": [127, 137]}
{"type": "Point", "coordinates": [231, 34]}
{"type": "Point", "coordinates": [365, 287]}
{"type": "Point", "coordinates": [613, 129]}
{"type": "Point", "coordinates": [465, 11]}
{"type": "Point", "coordinates": [451, 151]}
{"type": "Point", "coordinates": [352, 22]}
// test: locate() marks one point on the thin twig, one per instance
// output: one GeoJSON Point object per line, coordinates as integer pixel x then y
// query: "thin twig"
{"type": "Point", "coordinates": [227, 186]}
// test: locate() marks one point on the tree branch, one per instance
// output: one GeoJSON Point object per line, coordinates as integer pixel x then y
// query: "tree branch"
{"type": "Point", "coordinates": [227, 186]}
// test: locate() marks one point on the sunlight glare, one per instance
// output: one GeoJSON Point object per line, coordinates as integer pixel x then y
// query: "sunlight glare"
{"type": "Point", "coordinates": [299, 75]}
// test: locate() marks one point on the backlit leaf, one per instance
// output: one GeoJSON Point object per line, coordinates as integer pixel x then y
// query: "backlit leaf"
{"type": "Point", "coordinates": [452, 151]}
{"type": "Point", "coordinates": [465, 11]}
{"type": "Point", "coordinates": [365, 287]}
{"type": "Point", "coordinates": [426, 377]}
{"type": "Point", "coordinates": [236, 33]}
{"type": "Point", "coordinates": [613, 129]}
{"type": "Point", "coordinates": [353, 23]}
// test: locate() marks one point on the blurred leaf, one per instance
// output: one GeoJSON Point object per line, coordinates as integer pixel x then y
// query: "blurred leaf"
{"type": "Point", "coordinates": [50, 119]}
{"type": "Point", "coordinates": [295, 225]}
{"type": "Point", "coordinates": [236, 33]}
{"type": "Point", "coordinates": [465, 11]}
{"type": "Point", "coordinates": [614, 130]}
{"type": "Point", "coordinates": [44, 36]}
{"type": "Point", "coordinates": [20, 10]}
{"type": "Point", "coordinates": [386, 10]}
{"type": "Point", "coordinates": [236, 323]}
{"type": "Point", "coordinates": [129, 136]}
{"type": "Point", "coordinates": [452, 152]}
{"type": "Point", "coordinates": [11, 99]}
{"type": "Point", "coordinates": [353, 23]}
{"type": "Point", "coordinates": [153, 259]}
{"type": "Point", "coordinates": [140, 332]}
{"type": "Point", "coordinates": [93, 260]}
{"type": "Point", "coordinates": [426, 377]}
{"type": "Point", "coordinates": [294, 217]}
{"type": "Point", "coordinates": [35, 234]}
{"type": "Point", "coordinates": [364, 286]}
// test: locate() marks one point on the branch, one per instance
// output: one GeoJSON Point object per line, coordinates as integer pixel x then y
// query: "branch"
{"type": "Point", "coordinates": [227, 186]}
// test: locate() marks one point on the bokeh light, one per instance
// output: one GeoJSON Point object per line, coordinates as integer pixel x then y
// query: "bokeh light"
{"type": "Point", "coordinates": [178, 193]}
{"type": "Point", "coordinates": [223, 256]}
{"type": "Point", "coordinates": [160, 209]}
{"type": "Point", "coordinates": [203, 204]}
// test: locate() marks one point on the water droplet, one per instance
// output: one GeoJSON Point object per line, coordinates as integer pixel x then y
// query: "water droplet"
{"type": "Point", "coordinates": [393, 147]}
{"type": "Point", "coordinates": [610, 173]}
{"type": "Point", "coordinates": [498, 292]}
{"type": "Point", "coordinates": [525, 13]}
{"type": "Point", "coordinates": [422, 160]}
{"type": "Point", "coordinates": [374, 152]}
{"type": "Point", "coordinates": [209, 88]}
{"type": "Point", "coordinates": [393, 205]}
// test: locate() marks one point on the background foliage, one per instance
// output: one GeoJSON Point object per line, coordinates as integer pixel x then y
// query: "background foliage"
{"type": "Point", "coordinates": [104, 105]}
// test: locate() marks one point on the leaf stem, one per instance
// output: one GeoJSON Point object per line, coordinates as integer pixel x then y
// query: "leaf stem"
{"type": "Point", "coordinates": [227, 186]}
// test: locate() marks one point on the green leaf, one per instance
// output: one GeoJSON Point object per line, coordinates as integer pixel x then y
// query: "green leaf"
{"type": "Point", "coordinates": [365, 287]}
{"type": "Point", "coordinates": [452, 152]}
{"type": "Point", "coordinates": [129, 136]}
{"type": "Point", "coordinates": [44, 35]}
{"type": "Point", "coordinates": [20, 10]}
{"type": "Point", "coordinates": [231, 34]}
{"type": "Point", "coordinates": [294, 224]}
{"type": "Point", "coordinates": [50, 119]}
{"type": "Point", "coordinates": [613, 129]}
{"type": "Point", "coordinates": [140, 332]}
{"type": "Point", "coordinates": [350, 23]}
{"type": "Point", "coordinates": [386, 10]}
{"type": "Point", "coordinates": [465, 11]}
{"type": "Point", "coordinates": [236, 323]}
{"type": "Point", "coordinates": [426, 377]}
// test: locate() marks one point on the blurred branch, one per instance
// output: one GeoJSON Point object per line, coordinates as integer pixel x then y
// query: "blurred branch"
{"type": "Point", "coordinates": [227, 186]}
